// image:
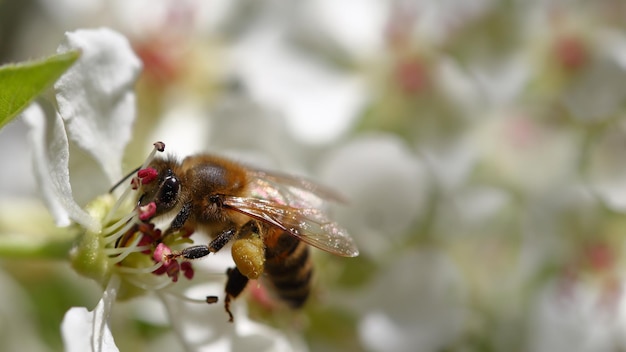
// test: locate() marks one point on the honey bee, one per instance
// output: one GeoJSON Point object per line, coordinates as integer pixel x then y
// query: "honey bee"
{"type": "Point", "coordinates": [271, 218]}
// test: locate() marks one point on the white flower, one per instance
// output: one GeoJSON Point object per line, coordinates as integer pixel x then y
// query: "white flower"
{"type": "Point", "coordinates": [606, 170]}
{"type": "Point", "coordinates": [386, 187]}
{"type": "Point", "coordinates": [85, 330]}
{"type": "Point", "coordinates": [464, 207]}
{"type": "Point", "coordinates": [417, 303]}
{"type": "Point", "coordinates": [513, 145]}
{"type": "Point", "coordinates": [320, 101]}
{"type": "Point", "coordinates": [140, 19]}
{"type": "Point", "coordinates": [96, 112]}
{"type": "Point", "coordinates": [95, 116]}
{"type": "Point", "coordinates": [576, 316]}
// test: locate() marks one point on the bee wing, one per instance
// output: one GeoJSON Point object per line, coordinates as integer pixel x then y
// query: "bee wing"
{"type": "Point", "coordinates": [310, 225]}
{"type": "Point", "coordinates": [284, 180]}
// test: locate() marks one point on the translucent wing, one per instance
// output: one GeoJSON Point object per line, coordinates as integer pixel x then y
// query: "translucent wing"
{"type": "Point", "coordinates": [310, 225]}
{"type": "Point", "coordinates": [294, 205]}
{"type": "Point", "coordinates": [279, 180]}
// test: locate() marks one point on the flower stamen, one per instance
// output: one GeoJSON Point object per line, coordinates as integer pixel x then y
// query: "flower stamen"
{"type": "Point", "coordinates": [134, 270]}
{"type": "Point", "coordinates": [147, 212]}
{"type": "Point", "coordinates": [130, 242]}
{"type": "Point", "coordinates": [121, 226]}
{"type": "Point", "coordinates": [158, 147]}
{"type": "Point", "coordinates": [147, 175]}
{"type": "Point", "coordinates": [171, 266]}
{"type": "Point", "coordinates": [123, 252]}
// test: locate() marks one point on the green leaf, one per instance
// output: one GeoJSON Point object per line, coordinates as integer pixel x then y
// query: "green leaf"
{"type": "Point", "coordinates": [22, 82]}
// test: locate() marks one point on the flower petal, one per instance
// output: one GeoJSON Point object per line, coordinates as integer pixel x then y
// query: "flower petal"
{"type": "Point", "coordinates": [358, 35]}
{"type": "Point", "coordinates": [421, 314]}
{"type": "Point", "coordinates": [51, 158]}
{"type": "Point", "coordinates": [606, 172]}
{"type": "Point", "coordinates": [89, 331]}
{"type": "Point", "coordinates": [255, 336]}
{"type": "Point", "coordinates": [385, 184]}
{"type": "Point", "coordinates": [573, 319]}
{"type": "Point", "coordinates": [96, 97]}
{"type": "Point", "coordinates": [326, 101]}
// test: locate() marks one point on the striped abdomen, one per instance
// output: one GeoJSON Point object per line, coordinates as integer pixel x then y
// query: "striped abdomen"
{"type": "Point", "coordinates": [288, 267]}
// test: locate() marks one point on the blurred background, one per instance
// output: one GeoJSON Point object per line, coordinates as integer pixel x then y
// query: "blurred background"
{"type": "Point", "coordinates": [480, 143]}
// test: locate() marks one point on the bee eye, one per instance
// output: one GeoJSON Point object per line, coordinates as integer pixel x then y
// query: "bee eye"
{"type": "Point", "coordinates": [169, 190]}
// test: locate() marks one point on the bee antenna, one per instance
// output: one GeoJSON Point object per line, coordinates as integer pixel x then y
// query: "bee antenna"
{"type": "Point", "coordinates": [124, 179]}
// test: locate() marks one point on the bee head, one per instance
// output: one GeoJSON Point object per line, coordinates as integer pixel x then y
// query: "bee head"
{"type": "Point", "coordinates": [165, 190]}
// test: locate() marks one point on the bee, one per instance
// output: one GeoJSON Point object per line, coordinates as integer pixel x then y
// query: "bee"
{"type": "Point", "coordinates": [271, 217]}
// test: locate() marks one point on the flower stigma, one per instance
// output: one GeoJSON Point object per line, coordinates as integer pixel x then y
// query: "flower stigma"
{"type": "Point", "coordinates": [130, 245]}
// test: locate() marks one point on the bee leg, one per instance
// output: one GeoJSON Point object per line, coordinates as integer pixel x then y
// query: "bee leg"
{"type": "Point", "coordinates": [199, 251]}
{"type": "Point", "coordinates": [234, 286]}
{"type": "Point", "coordinates": [221, 239]}
{"type": "Point", "coordinates": [180, 218]}
{"type": "Point", "coordinates": [249, 228]}
{"type": "Point", "coordinates": [179, 221]}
